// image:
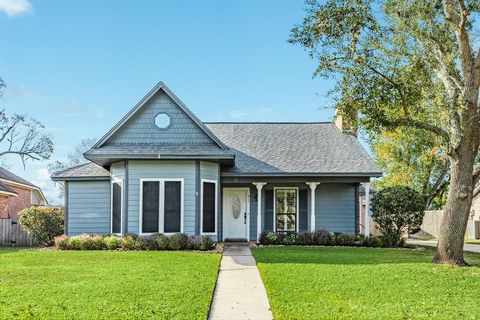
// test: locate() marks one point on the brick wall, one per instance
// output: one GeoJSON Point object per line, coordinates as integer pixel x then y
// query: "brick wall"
{"type": "Point", "coordinates": [10, 206]}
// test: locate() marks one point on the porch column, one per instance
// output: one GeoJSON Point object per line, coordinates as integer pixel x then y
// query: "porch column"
{"type": "Point", "coordinates": [259, 186]}
{"type": "Point", "coordinates": [313, 187]}
{"type": "Point", "coordinates": [367, 209]}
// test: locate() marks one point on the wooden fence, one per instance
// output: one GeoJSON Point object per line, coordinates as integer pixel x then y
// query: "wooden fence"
{"type": "Point", "coordinates": [11, 234]}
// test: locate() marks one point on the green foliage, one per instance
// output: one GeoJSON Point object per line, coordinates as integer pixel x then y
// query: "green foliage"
{"type": "Point", "coordinates": [112, 242]}
{"type": "Point", "coordinates": [61, 242]}
{"type": "Point", "coordinates": [412, 157]}
{"type": "Point", "coordinates": [320, 238]}
{"type": "Point", "coordinates": [178, 241]}
{"type": "Point", "coordinates": [75, 243]}
{"type": "Point", "coordinates": [43, 223]}
{"type": "Point", "coordinates": [163, 242]}
{"type": "Point", "coordinates": [201, 243]}
{"type": "Point", "coordinates": [129, 242]}
{"type": "Point", "coordinates": [397, 210]}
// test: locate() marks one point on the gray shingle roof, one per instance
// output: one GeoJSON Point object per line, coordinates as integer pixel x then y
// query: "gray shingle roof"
{"type": "Point", "coordinates": [7, 175]}
{"type": "Point", "coordinates": [293, 148]}
{"type": "Point", "coordinates": [139, 149]}
{"type": "Point", "coordinates": [88, 170]}
{"type": "Point", "coordinates": [259, 149]}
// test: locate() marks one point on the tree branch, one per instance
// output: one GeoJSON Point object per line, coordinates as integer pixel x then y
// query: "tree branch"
{"type": "Point", "coordinates": [418, 124]}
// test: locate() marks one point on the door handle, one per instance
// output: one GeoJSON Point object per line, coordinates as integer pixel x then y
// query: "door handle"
{"type": "Point", "coordinates": [244, 218]}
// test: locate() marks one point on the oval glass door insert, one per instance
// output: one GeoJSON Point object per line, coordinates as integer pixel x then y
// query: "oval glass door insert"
{"type": "Point", "coordinates": [236, 206]}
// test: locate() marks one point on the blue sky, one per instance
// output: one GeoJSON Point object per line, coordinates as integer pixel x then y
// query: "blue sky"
{"type": "Point", "coordinates": [79, 66]}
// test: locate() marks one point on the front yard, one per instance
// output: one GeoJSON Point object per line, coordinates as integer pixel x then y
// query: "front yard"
{"type": "Point", "coordinates": [365, 283]}
{"type": "Point", "coordinates": [106, 284]}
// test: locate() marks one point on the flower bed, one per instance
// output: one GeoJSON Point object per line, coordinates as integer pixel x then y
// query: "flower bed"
{"type": "Point", "coordinates": [157, 241]}
{"type": "Point", "coordinates": [320, 238]}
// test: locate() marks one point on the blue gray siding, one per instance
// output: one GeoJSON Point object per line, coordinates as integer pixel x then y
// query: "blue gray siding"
{"type": "Point", "coordinates": [335, 207]}
{"type": "Point", "coordinates": [88, 207]}
{"type": "Point", "coordinates": [161, 169]}
{"type": "Point", "coordinates": [141, 127]}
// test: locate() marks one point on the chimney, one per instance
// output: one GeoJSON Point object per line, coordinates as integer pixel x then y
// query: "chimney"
{"type": "Point", "coordinates": [348, 123]}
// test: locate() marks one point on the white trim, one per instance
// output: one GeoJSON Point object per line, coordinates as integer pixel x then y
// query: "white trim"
{"type": "Point", "coordinates": [259, 186]}
{"type": "Point", "coordinates": [8, 193]}
{"type": "Point", "coordinates": [313, 188]}
{"type": "Point", "coordinates": [161, 206]}
{"type": "Point", "coordinates": [26, 186]}
{"type": "Point", "coordinates": [248, 211]}
{"type": "Point", "coordinates": [275, 207]}
{"type": "Point", "coordinates": [201, 206]}
{"type": "Point", "coordinates": [112, 181]}
{"type": "Point", "coordinates": [367, 210]}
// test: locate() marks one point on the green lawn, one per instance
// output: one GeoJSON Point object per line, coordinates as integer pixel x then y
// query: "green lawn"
{"type": "Point", "coordinates": [363, 283]}
{"type": "Point", "coordinates": [106, 285]}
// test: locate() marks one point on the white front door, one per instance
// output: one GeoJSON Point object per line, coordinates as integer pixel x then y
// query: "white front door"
{"type": "Point", "coordinates": [236, 213]}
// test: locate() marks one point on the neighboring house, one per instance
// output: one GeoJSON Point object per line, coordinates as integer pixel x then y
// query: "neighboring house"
{"type": "Point", "coordinates": [17, 194]}
{"type": "Point", "coordinates": [473, 231]}
{"type": "Point", "coordinates": [161, 169]}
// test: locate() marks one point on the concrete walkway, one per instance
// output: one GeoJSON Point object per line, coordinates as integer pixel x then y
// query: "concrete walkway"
{"type": "Point", "coordinates": [433, 243]}
{"type": "Point", "coordinates": [239, 293]}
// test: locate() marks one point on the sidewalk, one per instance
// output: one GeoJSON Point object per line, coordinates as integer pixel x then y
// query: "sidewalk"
{"type": "Point", "coordinates": [433, 243]}
{"type": "Point", "coordinates": [239, 293]}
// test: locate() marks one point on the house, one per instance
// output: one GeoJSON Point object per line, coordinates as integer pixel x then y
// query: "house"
{"type": "Point", "coordinates": [17, 194]}
{"type": "Point", "coordinates": [161, 169]}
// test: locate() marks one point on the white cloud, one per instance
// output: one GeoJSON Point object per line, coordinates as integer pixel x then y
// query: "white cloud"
{"type": "Point", "coordinates": [14, 8]}
{"type": "Point", "coordinates": [41, 179]}
{"type": "Point", "coordinates": [240, 113]}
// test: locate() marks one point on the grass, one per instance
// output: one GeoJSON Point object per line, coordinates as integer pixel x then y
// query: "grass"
{"type": "Point", "coordinates": [106, 284]}
{"type": "Point", "coordinates": [366, 283]}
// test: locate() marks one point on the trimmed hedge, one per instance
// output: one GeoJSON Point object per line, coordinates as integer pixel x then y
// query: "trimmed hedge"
{"type": "Point", "coordinates": [320, 238]}
{"type": "Point", "coordinates": [130, 241]}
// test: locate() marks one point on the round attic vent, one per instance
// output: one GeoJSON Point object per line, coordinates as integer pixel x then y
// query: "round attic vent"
{"type": "Point", "coordinates": [162, 120]}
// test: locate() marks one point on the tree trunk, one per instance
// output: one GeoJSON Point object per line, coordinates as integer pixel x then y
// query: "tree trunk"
{"type": "Point", "coordinates": [457, 209]}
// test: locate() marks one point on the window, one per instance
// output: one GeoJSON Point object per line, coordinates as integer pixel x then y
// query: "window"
{"type": "Point", "coordinates": [162, 121]}
{"type": "Point", "coordinates": [209, 207]}
{"type": "Point", "coordinates": [116, 206]}
{"type": "Point", "coordinates": [161, 205]}
{"type": "Point", "coordinates": [286, 208]}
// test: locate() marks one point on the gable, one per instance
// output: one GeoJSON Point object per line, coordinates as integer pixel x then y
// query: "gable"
{"type": "Point", "coordinates": [141, 127]}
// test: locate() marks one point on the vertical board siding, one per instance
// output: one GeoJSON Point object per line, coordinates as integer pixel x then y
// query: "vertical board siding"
{"type": "Point", "coordinates": [88, 207]}
{"type": "Point", "coordinates": [335, 207]}
{"type": "Point", "coordinates": [141, 127]}
{"type": "Point", "coordinates": [211, 171]}
{"type": "Point", "coordinates": [12, 234]}
{"type": "Point", "coordinates": [161, 169]}
{"type": "Point", "coordinates": [268, 210]}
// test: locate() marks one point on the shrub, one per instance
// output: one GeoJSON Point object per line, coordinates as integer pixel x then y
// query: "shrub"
{"type": "Point", "coordinates": [304, 238]}
{"type": "Point", "coordinates": [74, 243]}
{"type": "Point", "coordinates": [61, 242]}
{"type": "Point", "coordinates": [129, 242]}
{"type": "Point", "coordinates": [202, 243]}
{"type": "Point", "coordinates": [43, 223]}
{"type": "Point", "coordinates": [178, 241]}
{"type": "Point", "coordinates": [147, 242]}
{"type": "Point", "coordinates": [163, 242]}
{"type": "Point", "coordinates": [290, 238]}
{"type": "Point", "coordinates": [396, 210]}
{"type": "Point", "coordinates": [112, 242]}
{"type": "Point", "coordinates": [344, 239]}
{"type": "Point", "coordinates": [262, 239]}
{"type": "Point", "coordinates": [372, 242]}
{"type": "Point", "coordinates": [271, 238]}
{"type": "Point", "coordinates": [322, 238]}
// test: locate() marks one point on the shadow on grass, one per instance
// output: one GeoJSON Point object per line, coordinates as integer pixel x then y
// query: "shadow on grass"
{"type": "Point", "coordinates": [349, 256]}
